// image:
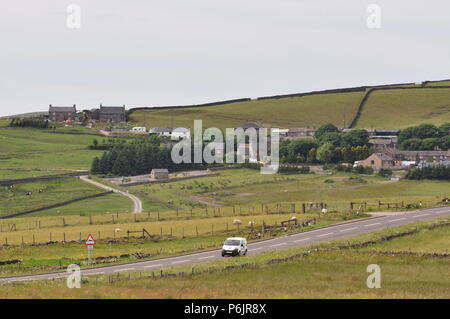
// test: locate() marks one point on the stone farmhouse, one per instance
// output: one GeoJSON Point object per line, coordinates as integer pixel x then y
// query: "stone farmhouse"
{"type": "Point", "coordinates": [62, 113]}
{"type": "Point", "coordinates": [112, 114]}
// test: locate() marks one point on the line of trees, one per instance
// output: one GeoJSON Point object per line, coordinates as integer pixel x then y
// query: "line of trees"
{"type": "Point", "coordinates": [425, 137]}
{"type": "Point", "coordinates": [329, 146]}
{"type": "Point", "coordinates": [29, 122]}
{"type": "Point", "coordinates": [433, 172]}
{"type": "Point", "coordinates": [137, 157]}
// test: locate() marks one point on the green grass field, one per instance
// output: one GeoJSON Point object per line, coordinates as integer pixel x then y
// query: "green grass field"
{"type": "Point", "coordinates": [323, 274]}
{"type": "Point", "coordinates": [249, 188]}
{"type": "Point", "coordinates": [42, 149]}
{"type": "Point", "coordinates": [421, 106]}
{"type": "Point", "coordinates": [311, 111]}
{"type": "Point", "coordinates": [15, 200]}
{"type": "Point", "coordinates": [405, 108]}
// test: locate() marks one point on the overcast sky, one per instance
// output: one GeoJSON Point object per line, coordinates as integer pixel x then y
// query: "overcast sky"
{"type": "Point", "coordinates": [169, 52]}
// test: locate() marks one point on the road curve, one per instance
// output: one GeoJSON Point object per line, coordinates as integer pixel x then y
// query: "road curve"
{"type": "Point", "coordinates": [136, 201]}
{"type": "Point", "coordinates": [311, 237]}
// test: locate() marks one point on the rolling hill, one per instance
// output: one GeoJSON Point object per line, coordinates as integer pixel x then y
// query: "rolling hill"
{"type": "Point", "coordinates": [385, 106]}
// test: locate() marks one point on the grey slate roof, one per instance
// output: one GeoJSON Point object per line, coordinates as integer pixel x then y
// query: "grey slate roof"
{"type": "Point", "coordinates": [67, 109]}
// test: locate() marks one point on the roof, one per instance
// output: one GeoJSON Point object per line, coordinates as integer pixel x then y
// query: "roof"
{"type": "Point", "coordinates": [112, 109]}
{"type": "Point", "coordinates": [380, 141]}
{"type": "Point", "coordinates": [249, 125]}
{"type": "Point", "coordinates": [62, 108]}
{"type": "Point", "coordinates": [384, 157]}
{"type": "Point", "coordinates": [160, 129]}
{"type": "Point", "coordinates": [160, 170]}
{"type": "Point", "coordinates": [181, 130]}
{"type": "Point", "coordinates": [301, 129]}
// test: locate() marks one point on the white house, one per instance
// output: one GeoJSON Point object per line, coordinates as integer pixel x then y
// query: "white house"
{"type": "Point", "coordinates": [139, 129]}
{"type": "Point", "coordinates": [180, 132]}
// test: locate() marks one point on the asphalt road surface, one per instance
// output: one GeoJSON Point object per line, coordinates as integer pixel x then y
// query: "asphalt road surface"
{"type": "Point", "coordinates": [136, 201]}
{"type": "Point", "coordinates": [324, 234]}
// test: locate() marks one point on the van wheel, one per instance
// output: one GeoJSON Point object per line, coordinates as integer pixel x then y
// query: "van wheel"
{"type": "Point", "coordinates": [245, 252]}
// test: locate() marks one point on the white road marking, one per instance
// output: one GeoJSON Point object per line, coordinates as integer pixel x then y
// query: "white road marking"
{"type": "Point", "coordinates": [125, 269]}
{"type": "Point", "coordinates": [299, 240]}
{"type": "Point", "coordinates": [422, 215]}
{"type": "Point", "coordinates": [324, 234]}
{"type": "Point", "coordinates": [179, 262]}
{"type": "Point", "coordinates": [348, 229]}
{"type": "Point", "coordinates": [277, 245]}
{"type": "Point", "coordinates": [149, 266]}
{"type": "Point", "coordinates": [206, 257]}
{"type": "Point", "coordinates": [394, 220]}
{"type": "Point", "coordinates": [372, 224]}
{"type": "Point", "coordinates": [96, 273]}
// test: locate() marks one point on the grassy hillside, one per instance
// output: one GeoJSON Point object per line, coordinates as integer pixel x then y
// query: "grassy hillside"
{"type": "Point", "coordinates": [44, 149]}
{"type": "Point", "coordinates": [405, 108]}
{"type": "Point", "coordinates": [312, 110]}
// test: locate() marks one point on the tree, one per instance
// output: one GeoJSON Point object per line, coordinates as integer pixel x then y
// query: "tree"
{"type": "Point", "coordinates": [334, 138]}
{"type": "Point", "coordinates": [325, 153]}
{"type": "Point", "coordinates": [444, 129]}
{"type": "Point", "coordinates": [444, 143]}
{"type": "Point", "coordinates": [427, 131]}
{"type": "Point", "coordinates": [301, 147]}
{"type": "Point", "coordinates": [385, 172]}
{"type": "Point", "coordinates": [430, 143]}
{"type": "Point", "coordinates": [358, 137]}
{"type": "Point", "coordinates": [325, 129]}
{"type": "Point", "coordinates": [96, 168]}
{"type": "Point", "coordinates": [411, 144]}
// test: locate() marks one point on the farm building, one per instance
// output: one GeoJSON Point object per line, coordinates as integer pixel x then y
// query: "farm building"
{"type": "Point", "coordinates": [112, 114]}
{"type": "Point", "coordinates": [377, 161]}
{"type": "Point", "coordinates": [300, 132]}
{"type": "Point", "coordinates": [159, 173]}
{"type": "Point", "coordinates": [62, 113]}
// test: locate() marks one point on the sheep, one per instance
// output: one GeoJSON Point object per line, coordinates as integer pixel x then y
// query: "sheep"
{"type": "Point", "coordinates": [118, 230]}
{"type": "Point", "coordinates": [237, 222]}
{"type": "Point", "coordinates": [324, 210]}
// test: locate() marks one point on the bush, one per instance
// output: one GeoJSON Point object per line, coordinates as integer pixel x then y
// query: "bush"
{"type": "Point", "coordinates": [385, 172]}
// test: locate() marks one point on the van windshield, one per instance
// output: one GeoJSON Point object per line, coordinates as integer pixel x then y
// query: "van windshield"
{"type": "Point", "coordinates": [232, 242]}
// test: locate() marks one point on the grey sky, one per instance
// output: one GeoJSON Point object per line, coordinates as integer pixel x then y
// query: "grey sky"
{"type": "Point", "coordinates": [168, 52]}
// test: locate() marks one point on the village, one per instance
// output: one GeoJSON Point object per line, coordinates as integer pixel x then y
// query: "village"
{"type": "Point", "coordinates": [385, 150]}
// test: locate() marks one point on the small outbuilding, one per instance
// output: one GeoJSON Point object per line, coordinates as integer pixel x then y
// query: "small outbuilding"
{"type": "Point", "coordinates": [159, 173]}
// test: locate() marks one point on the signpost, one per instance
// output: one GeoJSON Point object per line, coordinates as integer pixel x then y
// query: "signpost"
{"type": "Point", "coordinates": [90, 242]}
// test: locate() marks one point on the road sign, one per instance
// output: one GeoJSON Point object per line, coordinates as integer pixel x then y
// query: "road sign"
{"type": "Point", "coordinates": [90, 240]}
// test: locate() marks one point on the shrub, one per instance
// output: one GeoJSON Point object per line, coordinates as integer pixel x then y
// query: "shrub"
{"type": "Point", "coordinates": [385, 172]}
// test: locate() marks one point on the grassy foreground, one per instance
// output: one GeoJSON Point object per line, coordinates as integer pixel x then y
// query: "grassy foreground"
{"type": "Point", "coordinates": [323, 274]}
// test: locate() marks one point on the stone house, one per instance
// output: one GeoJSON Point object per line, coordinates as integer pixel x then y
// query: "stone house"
{"type": "Point", "coordinates": [62, 113]}
{"type": "Point", "coordinates": [159, 173]}
{"type": "Point", "coordinates": [377, 161]}
{"type": "Point", "coordinates": [112, 114]}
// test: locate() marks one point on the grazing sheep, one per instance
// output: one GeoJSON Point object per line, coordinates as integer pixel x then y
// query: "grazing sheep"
{"type": "Point", "coordinates": [324, 210]}
{"type": "Point", "coordinates": [118, 230]}
{"type": "Point", "coordinates": [251, 223]}
{"type": "Point", "coordinates": [237, 222]}
{"type": "Point", "coordinates": [293, 218]}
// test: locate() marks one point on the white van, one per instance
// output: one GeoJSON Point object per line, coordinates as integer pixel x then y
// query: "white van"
{"type": "Point", "coordinates": [234, 246]}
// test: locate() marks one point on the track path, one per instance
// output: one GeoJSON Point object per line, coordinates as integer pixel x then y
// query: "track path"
{"type": "Point", "coordinates": [333, 232]}
{"type": "Point", "coordinates": [136, 201]}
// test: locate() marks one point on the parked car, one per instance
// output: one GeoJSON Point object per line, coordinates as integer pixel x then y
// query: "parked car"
{"type": "Point", "coordinates": [234, 246]}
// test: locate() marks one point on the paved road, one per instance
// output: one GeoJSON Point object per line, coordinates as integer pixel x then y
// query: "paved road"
{"type": "Point", "coordinates": [136, 201]}
{"type": "Point", "coordinates": [324, 234]}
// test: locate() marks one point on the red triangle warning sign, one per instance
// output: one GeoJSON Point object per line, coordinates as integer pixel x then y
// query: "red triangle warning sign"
{"type": "Point", "coordinates": [90, 240]}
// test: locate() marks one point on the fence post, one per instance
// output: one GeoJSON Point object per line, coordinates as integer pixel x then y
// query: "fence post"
{"type": "Point", "coordinates": [50, 236]}
{"type": "Point", "coordinates": [196, 230]}
{"type": "Point", "coordinates": [34, 241]}
{"type": "Point", "coordinates": [212, 229]}
{"type": "Point", "coordinates": [303, 208]}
